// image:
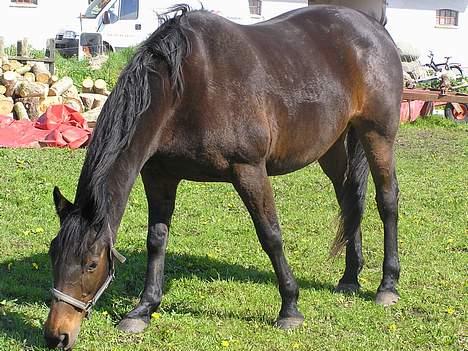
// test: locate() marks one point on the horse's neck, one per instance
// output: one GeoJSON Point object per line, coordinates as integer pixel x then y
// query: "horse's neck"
{"type": "Point", "coordinates": [118, 184]}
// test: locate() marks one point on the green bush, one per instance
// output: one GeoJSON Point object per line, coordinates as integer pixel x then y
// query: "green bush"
{"type": "Point", "coordinates": [34, 53]}
{"type": "Point", "coordinates": [81, 69]}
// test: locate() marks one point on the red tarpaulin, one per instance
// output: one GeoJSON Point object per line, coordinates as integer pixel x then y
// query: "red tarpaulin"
{"type": "Point", "coordinates": [59, 126]}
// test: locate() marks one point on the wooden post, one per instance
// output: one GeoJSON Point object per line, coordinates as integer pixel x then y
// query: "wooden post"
{"type": "Point", "coordinates": [22, 48]}
{"type": "Point", "coordinates": [2, 47]}
{"type": "Point", "coordinates": [50, 53]}
{"type": "Point", "coordinates": [26, 47]}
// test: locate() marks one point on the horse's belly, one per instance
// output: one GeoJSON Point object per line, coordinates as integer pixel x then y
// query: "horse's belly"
{"type": "Point", "coordinates": [296, 149]}
{"type": "Point", "coordinates": [284, 166]}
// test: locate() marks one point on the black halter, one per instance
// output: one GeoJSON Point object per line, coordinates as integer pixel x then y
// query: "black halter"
{"type": "Point", "coordinates": [87, 306]}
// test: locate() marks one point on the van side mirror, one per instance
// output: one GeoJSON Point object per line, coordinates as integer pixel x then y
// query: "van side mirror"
{"type": "Point", "coordinates": [106, 18]}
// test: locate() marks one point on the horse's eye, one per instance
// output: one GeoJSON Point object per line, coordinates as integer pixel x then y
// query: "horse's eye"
{"type": "Point", "coordinates": [92, 266]}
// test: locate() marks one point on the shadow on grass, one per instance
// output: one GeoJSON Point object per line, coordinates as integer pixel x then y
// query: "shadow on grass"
{"type": "Point", "coordinates": [28, 281]}
{"type": "Point", "coordinates": [17, 326]}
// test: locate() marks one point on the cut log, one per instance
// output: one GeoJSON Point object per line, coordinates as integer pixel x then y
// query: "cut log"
{"type": "Point", "coordinates": [2, 90]}
{"type": "Point", "coordinates": [88, 100]}
{"type": "Point", "coordinates": [87, 85]}
{"type": "Point", "coordinates": [6, 105]}
{"type": "Point", "coordinates": [61, 86]}
{"type": "Point", "coordinates": [20, 111]}
{"type": "Point", "coordinates": [53, 79]}
{"type": "Point", "coordinates": [32, 89]}
{"type": "Point", "coordinates": [14, 65]}
{"type": "Point", "coordinates": [9, 80]}
{"type": "Point", "coordinates": [91, 116]}
{"type": "Point", "coordinates": [44, 103]}
{"type": "Point", "coordinates": [23, 69]}
{"type": "Point", "coordinates": [99, 100]}
{"type": "Point", "coordinates": [32, 106]}
{"type": "Point", "coordinates": [6, 67]}
{"type": "Point", "coordinates": [72, 92]}
{"type": "Point", "coordinates": [100, 86]}
{"type": "Point", "coordinates": [41, 72]}
{"type": "Point", "coordinates": [30, 77]}
{"type": "Point", "coordinates": [74, 102]}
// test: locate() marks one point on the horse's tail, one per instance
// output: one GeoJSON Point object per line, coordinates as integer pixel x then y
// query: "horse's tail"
{"type": "Point", "coordinates": [352, 200]}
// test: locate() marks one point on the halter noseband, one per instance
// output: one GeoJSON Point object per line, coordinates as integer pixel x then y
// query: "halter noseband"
{"type": "Point", "coordinates": [87, 306]}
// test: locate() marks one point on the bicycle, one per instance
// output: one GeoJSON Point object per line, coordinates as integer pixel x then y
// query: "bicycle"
{"type": "Point", "coordinates": [453, 70]}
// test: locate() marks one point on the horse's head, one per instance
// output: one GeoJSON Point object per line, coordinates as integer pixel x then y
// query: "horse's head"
{"type": "Point", "coordinates": [82, 264]}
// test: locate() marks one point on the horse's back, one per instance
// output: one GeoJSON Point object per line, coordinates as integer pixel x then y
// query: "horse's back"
{"type": "Point", "coordinates": [283, 90]}
{"type": "Point", "coordinates": [373, 8]}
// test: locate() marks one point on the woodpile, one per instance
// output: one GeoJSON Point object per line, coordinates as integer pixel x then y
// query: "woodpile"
{"type": "Point", "coordinates": [27, 89]}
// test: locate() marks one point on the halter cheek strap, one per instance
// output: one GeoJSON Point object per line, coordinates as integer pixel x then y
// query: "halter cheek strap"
{"type": "Point", "coordinates": [87, 306]}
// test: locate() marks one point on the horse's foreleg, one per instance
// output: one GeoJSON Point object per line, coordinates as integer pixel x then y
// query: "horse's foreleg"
{"type": "Point", "coordinates": [380, 154]}
{"type": "Point", "coordinates": [253, 186]}
{"type": "Point", "coordinates": [161, 195]}
{"type": "Point", "coordinates": [347, 183]}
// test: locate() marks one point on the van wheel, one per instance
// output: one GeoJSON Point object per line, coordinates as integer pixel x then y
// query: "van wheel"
{"type": "Point", "coordinates": [107, 49]}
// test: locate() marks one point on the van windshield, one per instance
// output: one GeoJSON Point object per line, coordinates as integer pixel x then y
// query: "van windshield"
{"type": "Point", "coordinates": [95, 8]}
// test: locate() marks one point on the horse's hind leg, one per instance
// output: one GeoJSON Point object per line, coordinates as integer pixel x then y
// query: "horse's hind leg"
{"type": "Point", "coordinates": [161, 195]}
{"type": "Point", "coordinates": [344, 166]}
{"type": "Point", "coordinates": [253, 186]}
{"type": "Point", "coordinates": [378, 144]}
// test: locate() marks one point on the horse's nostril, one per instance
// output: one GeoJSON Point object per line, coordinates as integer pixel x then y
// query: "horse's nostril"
{"type": "Point", "coordinates": [60, 341]}
{"type": "Point", "coordinates": [63, 340]}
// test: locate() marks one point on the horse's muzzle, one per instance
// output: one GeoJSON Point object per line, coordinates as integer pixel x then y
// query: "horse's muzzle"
{"type": "Point", "coordinates": [60, 341]}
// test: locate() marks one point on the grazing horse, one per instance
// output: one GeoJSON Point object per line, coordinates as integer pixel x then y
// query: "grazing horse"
{"type": "Point", "coordinates": [205, 99]}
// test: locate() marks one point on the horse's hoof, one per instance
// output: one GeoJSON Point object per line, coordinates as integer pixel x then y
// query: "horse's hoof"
{"type": "Point", "coordinates": [289, 323]}
{"type": "Point", "coordinates": [347, 288]}
{"type": "Point", "coordinates": [132, 325]}
{"type": "Point", "coordinates": [386, 298]}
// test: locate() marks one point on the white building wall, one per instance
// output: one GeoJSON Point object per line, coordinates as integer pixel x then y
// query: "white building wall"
{"type": "Point", "coordinates": [272, 8]}
{"type": "Point", "coordinates": [37, 23]}
{"type": "Point", "coordinates": [413, 22]}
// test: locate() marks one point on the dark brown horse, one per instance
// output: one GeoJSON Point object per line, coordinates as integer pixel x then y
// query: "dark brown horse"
{"type": "Point", "coordinates": [205, 99]}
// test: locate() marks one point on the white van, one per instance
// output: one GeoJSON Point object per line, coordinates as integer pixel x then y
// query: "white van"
{"type": "Point", "coordinates": [108, 25]}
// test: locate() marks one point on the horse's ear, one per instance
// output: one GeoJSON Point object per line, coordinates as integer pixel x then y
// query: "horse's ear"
{"type": "Point", "coordinates": [62, 205]}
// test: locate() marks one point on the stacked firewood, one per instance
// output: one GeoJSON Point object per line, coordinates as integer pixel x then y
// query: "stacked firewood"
{"type": "Point", "coordinates": [28, 89]}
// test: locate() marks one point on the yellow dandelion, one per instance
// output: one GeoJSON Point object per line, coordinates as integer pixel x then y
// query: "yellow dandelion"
{"type": "Point", "coordinates": [450, 310]}
{"type": "Point", "coordinates": [156, 315]}
{"type": "Point", "coordinates": [39, 230]}
{"type": "Point", "coordinates": [392, 327]}
{"type": "Point", "coordinates": [225, 343]}
{"type": "Point", "coordinates": [296, 345]}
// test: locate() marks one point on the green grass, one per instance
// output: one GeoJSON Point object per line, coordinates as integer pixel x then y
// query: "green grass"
{"type": "Point", "coordinates": [78, 70]}
{"type": "Point", "coordinates": [220, 291]}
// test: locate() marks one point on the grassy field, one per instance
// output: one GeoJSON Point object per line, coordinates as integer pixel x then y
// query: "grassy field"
{"type": "Point", "coordinates": [220, 291]}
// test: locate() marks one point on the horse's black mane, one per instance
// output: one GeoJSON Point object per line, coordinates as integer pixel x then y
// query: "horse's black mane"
{"type": "Point", "coordinates": [118, 120]}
